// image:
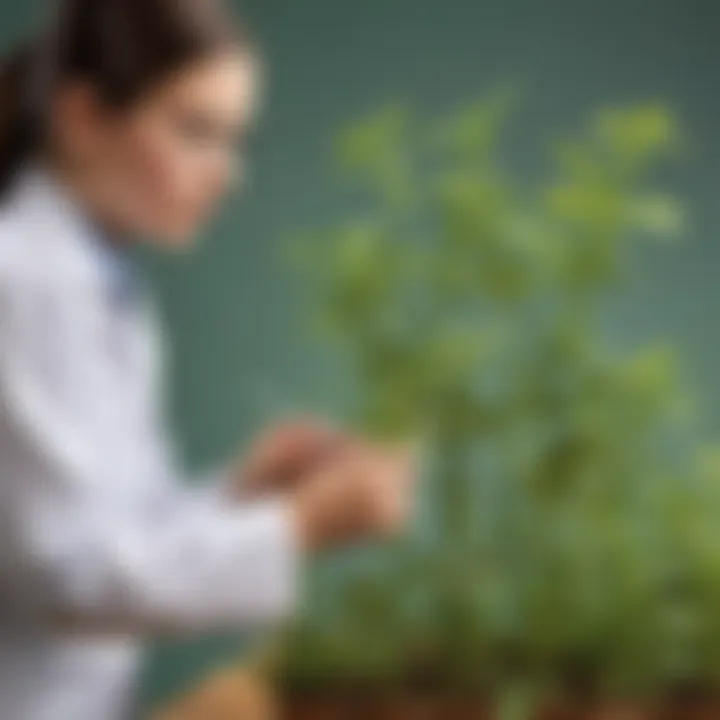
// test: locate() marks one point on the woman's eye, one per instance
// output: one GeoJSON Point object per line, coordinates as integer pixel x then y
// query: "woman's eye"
{"type": "Point", "coordinates": [197, 130]}
{"type": "Point", "coordinates": [206, 134]}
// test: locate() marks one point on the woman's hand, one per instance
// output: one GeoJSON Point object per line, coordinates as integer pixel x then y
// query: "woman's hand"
{"type": "Point", "coordinates": [361, 492]}
{"type": "Point", "coordinates": [283, 456]}
{"type": "Point", "coordinates": [340, 489]}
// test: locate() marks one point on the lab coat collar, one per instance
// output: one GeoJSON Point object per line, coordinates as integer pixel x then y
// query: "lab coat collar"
{"type": "Point", "coordinates": [74, 242]}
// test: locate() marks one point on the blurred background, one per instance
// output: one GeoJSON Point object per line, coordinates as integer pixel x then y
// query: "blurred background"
{"type": "Point", "coordinates": [244, 350]}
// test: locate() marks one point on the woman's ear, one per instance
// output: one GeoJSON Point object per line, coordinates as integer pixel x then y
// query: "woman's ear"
{"type": "Point", "coordinates": [79, 121]}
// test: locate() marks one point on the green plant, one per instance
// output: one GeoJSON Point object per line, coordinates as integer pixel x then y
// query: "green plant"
{"type": "Point", "coordinates": [568, 538]}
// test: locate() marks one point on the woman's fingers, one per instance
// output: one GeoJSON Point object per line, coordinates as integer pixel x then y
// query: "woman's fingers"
{"type": "Point", "coordinates": [366, 491]}
{"type": "Point", "coordinates": [396, 473]}
{"type": "Point", "coordinates": [285, 454]}
{"type": "Point", "coordinates": [341, 488]}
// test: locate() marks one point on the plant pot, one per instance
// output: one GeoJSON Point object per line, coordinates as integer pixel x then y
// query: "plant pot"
{"type": "Point", "coordinates": [317, 706]}
{"type": "Point", "coordinates": [410, 705]}
{"type": "Point", "coordinates": [422, 706]}
{"type": "Point", "coordinates": [699, 708]}
{"type": "Point", "coordinates": [238, 694]}
{"type": "Point", "coordinates": [610, 710]}
{"type": "Point", "coordinates": [426, 706]}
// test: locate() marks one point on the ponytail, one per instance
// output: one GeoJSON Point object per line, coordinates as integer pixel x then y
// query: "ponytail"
{"type": "Point", "coordinates": [21, 114]}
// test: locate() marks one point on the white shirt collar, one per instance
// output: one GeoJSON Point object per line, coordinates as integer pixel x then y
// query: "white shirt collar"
{"type": "Point", "coordinates": [74, 236]}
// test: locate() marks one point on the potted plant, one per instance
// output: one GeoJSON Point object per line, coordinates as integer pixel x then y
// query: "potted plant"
{"type": "Point", "coordinates": [567, 558]}
{"type": "Point", "coordinates": [566, 564]}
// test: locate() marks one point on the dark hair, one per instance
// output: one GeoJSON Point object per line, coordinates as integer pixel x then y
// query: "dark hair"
{"type": "Point", "coordinates": [123, 47]}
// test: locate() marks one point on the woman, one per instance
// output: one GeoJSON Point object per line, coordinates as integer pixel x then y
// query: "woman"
{"type": "Point", "coordinates": [120, 124]}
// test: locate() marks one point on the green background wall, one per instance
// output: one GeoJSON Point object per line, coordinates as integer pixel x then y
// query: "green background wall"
{"type": "Point", "coordinates": [241, 352]}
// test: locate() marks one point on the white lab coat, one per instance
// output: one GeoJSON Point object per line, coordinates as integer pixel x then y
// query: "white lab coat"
{"type": "Point", "coordinates": [97, 523]}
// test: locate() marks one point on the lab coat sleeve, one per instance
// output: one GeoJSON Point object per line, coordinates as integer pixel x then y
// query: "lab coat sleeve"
{"type": "Point", "coordinates": [75, 548]}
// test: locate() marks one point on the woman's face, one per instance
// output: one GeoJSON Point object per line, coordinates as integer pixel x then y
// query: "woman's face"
{"type": "Point", "coordinates": [160, 168]}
